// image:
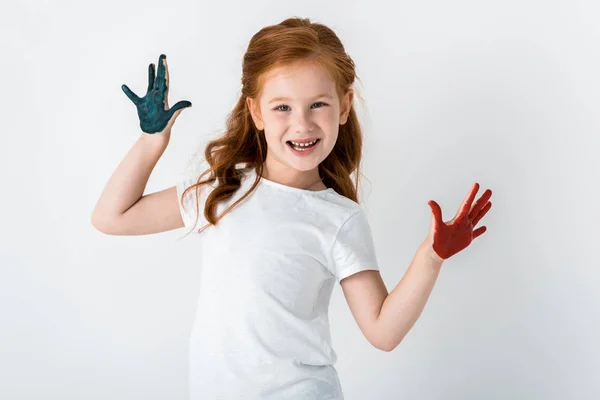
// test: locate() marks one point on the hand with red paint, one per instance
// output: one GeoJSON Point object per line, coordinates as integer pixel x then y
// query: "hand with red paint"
{"type": "Point", "coordinates": [447, 239]}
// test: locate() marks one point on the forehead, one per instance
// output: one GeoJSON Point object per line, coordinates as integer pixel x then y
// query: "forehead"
{"type": "Point", "coordinates": [304, 78]}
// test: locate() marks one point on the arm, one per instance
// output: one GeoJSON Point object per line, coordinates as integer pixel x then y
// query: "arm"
{"type": "Point", "coordinates": [157, 212]}
{"type": "Point", "coordinates": [386, 318]}
{"type": "Point", "coordinates": [403, 306]}
{"type": "Point", "coordinates": [126, 185]}
{"type": "Point", "coordinates": [122, 210]}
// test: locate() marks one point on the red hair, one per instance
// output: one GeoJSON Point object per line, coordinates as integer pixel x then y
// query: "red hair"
{"type": "Point", "coordinates": [291, 41]}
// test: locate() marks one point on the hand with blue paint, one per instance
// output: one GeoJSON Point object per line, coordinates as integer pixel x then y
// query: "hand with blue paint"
{"type": "Point", "coordinates": [153, 109]}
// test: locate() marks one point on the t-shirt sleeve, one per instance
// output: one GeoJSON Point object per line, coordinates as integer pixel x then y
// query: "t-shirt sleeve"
{"type": "Point", "coordinates": [188, 209]}
{"type": "Point", "coordinates": [353, 250]}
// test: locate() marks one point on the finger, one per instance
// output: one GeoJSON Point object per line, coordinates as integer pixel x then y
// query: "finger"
{"type": "Point", "coordinates": [150, 77]}
{"type": "Point", "coordinates": [466, 205]}
{"type": "Point", "coordinates": [166, 74]}
{"type": "Point", "coordinates": [437, 211]}
{"type": "Point", "coordinates": [479, 204]}
{"type": "Point", "coordinates": [178, 106]}
{"type": "Point", "coordinates": [132, 96]}
{"type": "Point", "coordinates": [160, 75]}
{"type": "Point", "coordinates": [482, 213]}
{"type": "Point", "coordinates": [166, 98]}
{"type": "Point", "coordinates": [479, 231]}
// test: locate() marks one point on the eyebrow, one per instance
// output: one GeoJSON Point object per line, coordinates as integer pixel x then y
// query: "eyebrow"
{"type": "Point", "coordinates": [285, 98]}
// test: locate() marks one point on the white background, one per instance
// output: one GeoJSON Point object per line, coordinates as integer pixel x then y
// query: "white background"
{"type": "Point", "coordinates": [506, 94]}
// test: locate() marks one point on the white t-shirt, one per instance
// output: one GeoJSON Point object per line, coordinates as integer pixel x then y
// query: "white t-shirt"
{"type": "Point", "coordinates": [268, 269]}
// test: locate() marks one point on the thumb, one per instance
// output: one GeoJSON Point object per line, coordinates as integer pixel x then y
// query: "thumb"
{"type": "Point", "coordinates": [174, 111]}
{"type": "Point", "coordinates": [178, 107]}
{"type": "Point", "coordinates": [436, 210]}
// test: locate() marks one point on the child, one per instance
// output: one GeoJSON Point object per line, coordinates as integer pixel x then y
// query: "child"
{"type": "Point", "coordinates": [281, 222]}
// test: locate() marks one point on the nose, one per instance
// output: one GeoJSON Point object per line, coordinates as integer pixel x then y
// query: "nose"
{"type": "Point", "coordinates": [303, 122]}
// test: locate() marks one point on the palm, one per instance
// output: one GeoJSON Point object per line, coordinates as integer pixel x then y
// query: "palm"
{"type": "Point", "coordinates": [449, 238]}
{"type": "Point", "coordinates": [153, 109]}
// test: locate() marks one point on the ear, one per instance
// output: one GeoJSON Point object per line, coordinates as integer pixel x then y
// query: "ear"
{"type": "Point", "coordinates": [346, 106]}
{"type": "Point", "coordinates": [254, 113]}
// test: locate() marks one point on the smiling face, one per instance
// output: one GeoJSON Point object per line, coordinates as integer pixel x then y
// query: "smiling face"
{"type": "Point", "coordinates": [310, 109]}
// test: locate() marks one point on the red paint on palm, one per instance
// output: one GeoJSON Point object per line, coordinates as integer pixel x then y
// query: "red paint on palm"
{"type": "Point", "coordinates": [449, 238]}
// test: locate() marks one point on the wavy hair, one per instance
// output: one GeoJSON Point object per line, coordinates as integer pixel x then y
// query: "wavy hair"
{"type": "Point", "coordinates": [291, 41]}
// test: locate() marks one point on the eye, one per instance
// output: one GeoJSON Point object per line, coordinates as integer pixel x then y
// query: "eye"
{"type": "Point", "coordinates": [284, 105]}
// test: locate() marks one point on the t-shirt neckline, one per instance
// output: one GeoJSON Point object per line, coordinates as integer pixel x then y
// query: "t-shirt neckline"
{"type": "Point", "coordinates": [290, 188]}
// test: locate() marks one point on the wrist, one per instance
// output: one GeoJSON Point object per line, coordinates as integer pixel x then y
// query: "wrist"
{"type": "Point", "coordinates": [159, 139]}
{"type": "Point", "coordinates": [427, 248]}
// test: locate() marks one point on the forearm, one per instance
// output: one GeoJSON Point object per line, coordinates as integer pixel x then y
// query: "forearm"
{"type": "Point", "coordinates": [128, 182]}
{"type": "Point", "coordinates": [403, 306]}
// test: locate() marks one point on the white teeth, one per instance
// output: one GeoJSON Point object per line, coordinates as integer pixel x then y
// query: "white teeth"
{"type": "Point", "coordinates": [304, 144]}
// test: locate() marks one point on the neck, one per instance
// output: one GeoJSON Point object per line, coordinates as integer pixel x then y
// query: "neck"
{"type": "Point", "coordinates": [265, 175]}
{"type": "Point", "coordinates": [314, 184]}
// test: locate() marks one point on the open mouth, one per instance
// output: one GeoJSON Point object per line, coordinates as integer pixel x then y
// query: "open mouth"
{"type": "Point", "coordinates": [302, 148]}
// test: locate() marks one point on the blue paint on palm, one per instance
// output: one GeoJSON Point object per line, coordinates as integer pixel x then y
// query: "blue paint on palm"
{"type": "Point", "coordinates": [151, 108]}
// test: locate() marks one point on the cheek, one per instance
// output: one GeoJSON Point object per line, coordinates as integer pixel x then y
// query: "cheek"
{"type": "Point", "coordinates": [274, 121]}
{"type": "Point", "coordinates": [330, 119]}
{"type": "Point", "coordinates": [274, 136]}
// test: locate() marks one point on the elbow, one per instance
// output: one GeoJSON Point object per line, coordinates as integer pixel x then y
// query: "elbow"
{"type": "Point", "coordinates": [387, 344]}
{"type": "Point", "coordinates": [387, 348]}
{"type": "Point", "coordinates": [96, 223]}
{"type": "Point", "coordinates": [101, 225]}
{"type": "Point", "coordinates": [383, 345]}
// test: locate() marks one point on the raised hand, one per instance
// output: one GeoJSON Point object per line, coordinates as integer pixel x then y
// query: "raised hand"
{"type": "Point", "coordinates": [153, 109]}
{"type": "Point", "coordinates": [449, 238]}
